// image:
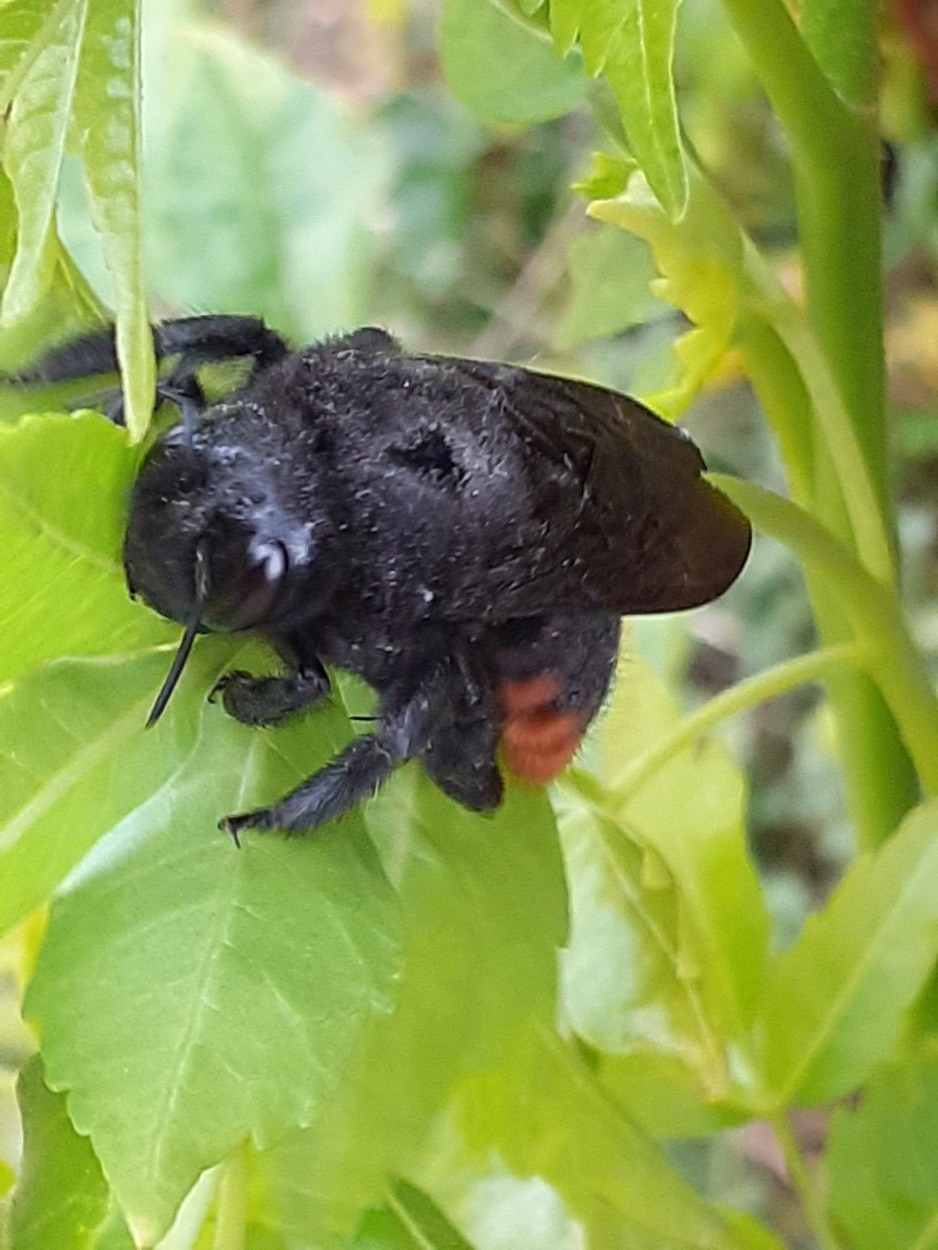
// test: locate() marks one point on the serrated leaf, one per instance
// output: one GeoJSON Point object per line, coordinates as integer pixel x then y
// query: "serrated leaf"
{"type": "Point", "coordinates": [835, 1001]}
{"type": "Point", "coordinates": [484, 909]}
{"type": "Point", "coordinates": [232, 987]}
{"type": "Point", "coordinates": [668, 943]}
{"type": "Point", "coordinates": [501, 71]}
{"type": "Point", "coordinates": [881, 1161]}
{"type": "Point", "coordinates": [631, 42]}
{"type": "Point", "coordinates": [61, 1198]}
{"type": "Point", "coordinates": [701, 260]}
{"type": "Point", "coordinates": [62, 590]}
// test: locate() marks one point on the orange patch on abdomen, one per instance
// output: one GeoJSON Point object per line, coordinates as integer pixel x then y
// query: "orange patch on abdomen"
{"type": "Point", "coordinates": [538, 740]}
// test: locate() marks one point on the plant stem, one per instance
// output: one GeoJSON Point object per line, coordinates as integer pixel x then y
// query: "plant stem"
{"type": "Point", "coordinates": [804, 1184]}
{"type": "Point", "coordinates": [747, 694]}
{"type": "Point", "coordinates": [873, 614]}
{"type": "Point", "coordinates": [835, 158]}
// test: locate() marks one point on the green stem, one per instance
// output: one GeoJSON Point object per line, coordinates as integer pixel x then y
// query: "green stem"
{"type": "Point", "coordinates": [871, 610]}
{"type": "Point", "coordinates": [835, 159]}
{"type": "Point", "coordinates": [804, 1184]}
{"type": "Point", "coordinates": [747, 694]}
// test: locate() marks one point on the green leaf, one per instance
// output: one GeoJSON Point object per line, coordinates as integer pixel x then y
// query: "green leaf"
{"type": "Point", "coordinates": [502, 71]}
{"type": "Point", "coordinates": [82, 763]}
{"type": "Point", "coordinates": [61, 1198]}
{"type": "Point", "coordinates": [701, 260]}
{"type": "Point", "coordinates": [547, 1117]}
{"type": "Point", "coordinates": [611, 274]}
{"type": "Point", "coordinates": [191, 995]}
{"type": "Point", "coordinates": [881, 1161]}
{"type": "Point", "coordinates": [484, 911]}
{"type": "Point", "coordinates": [410, 1220]}
{"type": "Point", "coordinates": [106, 130]}
{"type": "Point", "coordinates": [66, 306]}
{"type": "Point", "coordinates": [632, 43]}
{"type": "Point", "coordinates": [835, 1001]}
{"type": "Point", "coordinates": [668, 944]}
{"type": "Point", "coordinates": [41, 62]}
{"type": "Point", "coordinates": [62, 591]}
{"type": "Point", "coordinates": [308, 178]}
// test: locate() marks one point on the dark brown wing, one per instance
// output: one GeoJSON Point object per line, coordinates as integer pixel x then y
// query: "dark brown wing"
{"type": "Point", "coordinates": [622, 519]}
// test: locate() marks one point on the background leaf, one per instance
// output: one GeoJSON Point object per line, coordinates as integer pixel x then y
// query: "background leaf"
{"type": "Point", "coordinates": [297, 198]}
{"type": "Point", "coordinates": [669, 940]}
{"type": "Point", "coordinates": [546, 1117]}
{"type": "Point", "coordinates": [882, 1165]}
{"type": "Point", "coordinates": [500, 70]}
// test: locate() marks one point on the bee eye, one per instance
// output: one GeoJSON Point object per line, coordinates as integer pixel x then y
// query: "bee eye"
{"type": "Point", "coordinates": [249, 596]}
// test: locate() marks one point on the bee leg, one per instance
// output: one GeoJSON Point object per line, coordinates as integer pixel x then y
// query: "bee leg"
{"type": "Point", "coordinates": [460, 757]}
{"type": "Point", "coordinates": [195, 340]}
{"type": "Point", "coordinates": [407, 715]}
{"type": "Point", "coordinates": [270, 700]}
{"type": "Point", "coordinates": [82, 357]}
{"type": "Point", "coordinates": [201, 340]}
{"type": "Point", "coordinates": [369, 341]}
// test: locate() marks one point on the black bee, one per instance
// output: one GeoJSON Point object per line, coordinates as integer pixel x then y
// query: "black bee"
{"type": "Point", "coordinates": [463, 535]}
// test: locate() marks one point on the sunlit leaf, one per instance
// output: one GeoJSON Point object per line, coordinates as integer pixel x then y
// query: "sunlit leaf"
{"type": "Point", "coordinates": [76, 762]}
{"type": "Point", "coordinates": [191, 994]}
{"type": "Point", "coordinates": [44, 76]}
{"type": "Point", "coordinates": [106, 127]}
{"type": "Point", "coordinates": [63, 482]}
{"type": "Point", "coordinates": [700, 260]}
{"type": "Point", "coordinates": [631, 42]}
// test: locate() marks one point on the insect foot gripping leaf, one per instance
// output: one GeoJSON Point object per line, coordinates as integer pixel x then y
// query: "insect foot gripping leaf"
{"type": "Point", "coordinates": [463, 535]}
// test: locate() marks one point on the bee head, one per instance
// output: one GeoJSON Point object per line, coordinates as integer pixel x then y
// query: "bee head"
{"type": "Point", "coordinates": [215, 540]}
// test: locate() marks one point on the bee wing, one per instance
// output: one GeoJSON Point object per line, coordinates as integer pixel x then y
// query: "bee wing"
{"type": "Point", "coordinates": [623, 520]}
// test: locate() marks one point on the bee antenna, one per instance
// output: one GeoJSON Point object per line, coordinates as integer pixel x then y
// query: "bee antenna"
{"type": "Point", "coordinates": [193, 621]}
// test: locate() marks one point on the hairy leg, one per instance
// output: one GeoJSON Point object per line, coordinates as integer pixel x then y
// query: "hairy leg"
{"type": "Point", "coordinates": [408, 714]}
{"type": "Point", "coordinates": [194, 340]}
{"type": "Point", "coordinates": [460, 756]}
{"type": "Point", "coordinates": [269, 700]}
